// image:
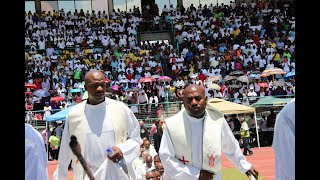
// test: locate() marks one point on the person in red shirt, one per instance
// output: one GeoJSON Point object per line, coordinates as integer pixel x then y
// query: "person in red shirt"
{"type": "Point", "coordinates": [202, 76]}
{"type": "Point", "coordinates": [129, 75]}
{"type": "Point", "coordinates": [136, 64]}
{"type": "Point", "coordinates": [37, 81]}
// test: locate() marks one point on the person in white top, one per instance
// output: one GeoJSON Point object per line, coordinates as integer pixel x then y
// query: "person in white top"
{"type": "Point", "coordinates": [100, 123]}
{"type": "Point", "coordinates": [195, 153]}
{"type": "Point", "coordinates": [35, 155]}
{"type": "Point", "coordinates": [284, 142]}
{"type": "Point", "coordinates": [149, 148]}
{"type": "Point", "coordinates": [145, 167]}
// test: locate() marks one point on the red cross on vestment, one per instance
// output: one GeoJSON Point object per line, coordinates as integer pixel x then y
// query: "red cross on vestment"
{"type": "Point", "coordinates": [183, 160]}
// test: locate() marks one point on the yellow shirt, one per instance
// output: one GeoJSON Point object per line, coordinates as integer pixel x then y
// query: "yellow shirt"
{"type": "Point", "coordinates": [105, 21]}
{"type": "Point", "coordinates": [276, 57]}
{"type": "Point", "coordinates": [236, 32]}
{"type": "Point", "coordinates": [87, 51]}
{"type": "Point", "coordinates": [142, 51]}
{"type": "Point", "coordinates": [26, 56]}
{"type": "Point", "coordinates": [87, 61]}
{"type": "Point", "coordinates": [126, 61]}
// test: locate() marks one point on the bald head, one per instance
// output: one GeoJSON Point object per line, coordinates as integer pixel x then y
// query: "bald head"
{"type": "Point", "coordinates": [195, 100]}
{"type": "Point", "coordinates": [92, 73]}
{"type": "Point", "coordinates": [149, 160]}
{"type": "Point", "coordinates": [146, 144]}
{"type": "Point", "coordinates": [96, 86]}
{"type": "Point", "coordinates": [194, 87]}
{"type": "Point", "coordinates": [151, 175]}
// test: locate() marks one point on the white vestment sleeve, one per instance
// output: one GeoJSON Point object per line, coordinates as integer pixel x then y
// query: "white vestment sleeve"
{"type": "Point", "coordinates": [231, 149]}
{"type": "Point", "coordinates": [65, 155]}
{"type": "Point", "coordinates": [35, 155]}
{"type": "Point", "coordinates": [284, 143]}
{"type": "Point", "coordinates": [131, 147]}
{"type": "Point", "coordinates": [172, 166]}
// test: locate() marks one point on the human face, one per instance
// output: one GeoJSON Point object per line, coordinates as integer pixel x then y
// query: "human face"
{"type": "Point", "coordinates": [157, 174]}
{"type": "Point", "coordinates": [195, 101]}
{"type": "Point", "coordinates": [146, 144]}
{"type": "Point", "coordinates": [151, 176]}
{"type": "Point", "coordinates": [160, 168]}
{"type": "Point", "coordinates": [156, 160]}
{"type": "Point", "coordinates": [96, 87]}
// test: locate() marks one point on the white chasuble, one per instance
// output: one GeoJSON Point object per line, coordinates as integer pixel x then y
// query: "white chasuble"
{"type": "Point", "coordinates": [98, 127]}
{"type": "Point", "coordinates": [180, 132]}
{"type": "Point", "coordinates": [180, 149]}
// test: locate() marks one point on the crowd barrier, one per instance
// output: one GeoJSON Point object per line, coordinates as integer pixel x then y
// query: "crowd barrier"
{"type": "Point", "coordinates": [146, 112]}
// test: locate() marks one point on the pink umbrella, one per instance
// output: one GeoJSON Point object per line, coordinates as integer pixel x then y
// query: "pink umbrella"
{"type": "Point", "coordinates": [116, 87]}
{"type": "Point", "coordinates": [147, 79]}
{"type": "Point", "coordinates": [28, 92]}
{"type": "Point", "coordinates": [30, 86]}
{"type": "Point", "coordinates": [57, 98]}
{"type": "Point", "coordinates": [107, 80]}
{"type": "Point", "coordinates": [164, 79]}
{"type": "Point", "coordinates": [263, 84]}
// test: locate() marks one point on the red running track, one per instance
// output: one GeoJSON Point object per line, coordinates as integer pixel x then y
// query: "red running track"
{"type": "Point", "coordinates": [262, 159]}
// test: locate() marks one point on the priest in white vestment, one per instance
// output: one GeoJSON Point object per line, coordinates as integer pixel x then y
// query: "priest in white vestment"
{"type": "Point", "coordinates": [284, 142]}
{"type": "Point", "coordinates": [194, 138]}
{"type": "Point", "coordinates": [100, 123]}
{"type": "Point", "coordinates": [35, 155]}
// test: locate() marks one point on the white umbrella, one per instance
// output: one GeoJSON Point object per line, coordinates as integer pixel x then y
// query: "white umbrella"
{"type": "Point", "coordinates": [214, 78]}
{"type": "Point", "coordinates": [243, 78]}
{"type": "Point", "coordinates": [279, 83]}
{"type": "Point", "coordinates": [214, 86]}
{"type": "Point", "coordinates": [194, 76]}
{"type": "Point", "coordinates": [228, 78]}
{"type": "Point", "coordinates": [124, 81]}
{"type": "Point", "coordinates": [156, 76]}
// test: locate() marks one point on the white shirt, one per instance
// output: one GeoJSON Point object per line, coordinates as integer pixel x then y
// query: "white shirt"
{"type": "Point", "coordinates": [284, 142]}
{"type": "Point", "coordinates": [152, 151]}
{"type": "Point", "coordinates": [176, 170]}
{"type": "Point", "coordinates": [99, 124]}
{"type": "Point", "coordinates": [35, 155]}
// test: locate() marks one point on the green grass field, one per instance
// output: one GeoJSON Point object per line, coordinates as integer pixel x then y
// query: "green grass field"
{"type": "Point", "coordinates": [234, 174]}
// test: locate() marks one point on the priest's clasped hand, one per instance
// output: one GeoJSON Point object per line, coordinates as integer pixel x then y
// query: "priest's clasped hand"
{"type": "Point", "coordinates": [205, 175]}
{"type": "Point", "coordinates": [117, 154]}
{"type": "Point", "coordinates": [253, 171]}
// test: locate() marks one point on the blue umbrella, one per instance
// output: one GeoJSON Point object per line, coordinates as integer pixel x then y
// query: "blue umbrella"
{"type": "Point", "coordinates": [75, 90]}
{"type": "Point", "coordinates": [41, 93]}
{"type": "Point", "coordinates": [290, 74]}
{"type": "Point", "coordinates": [59, 116]}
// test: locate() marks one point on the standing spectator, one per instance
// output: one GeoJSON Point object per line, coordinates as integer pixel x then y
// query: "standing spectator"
{"type": "Point", "coordinates": [143, 130]}
{"type": "Point", "coordinates": [271, 119]}
{"type": "Point", "coordinates": [47, 110]}
{"type": "Point", "coordinates": [54, 143]}
{"type": "Point", "coordinates": [157, 136]}
{"type": "Point", "coordinates": [245, 134]}
{"type": "Point", "coordinates": [153, 100]}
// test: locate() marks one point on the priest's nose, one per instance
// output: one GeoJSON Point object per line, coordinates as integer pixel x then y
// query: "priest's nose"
{"type": "Point", "coordinates": [99, 88]}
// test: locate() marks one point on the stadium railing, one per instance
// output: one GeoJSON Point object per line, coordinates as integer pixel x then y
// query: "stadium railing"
{"type": "Point", "coordinates": [146, 112]}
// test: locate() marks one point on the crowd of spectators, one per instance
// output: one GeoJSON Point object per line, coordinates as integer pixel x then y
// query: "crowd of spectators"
{"type": "Point", "coordinates": [220, 42]}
